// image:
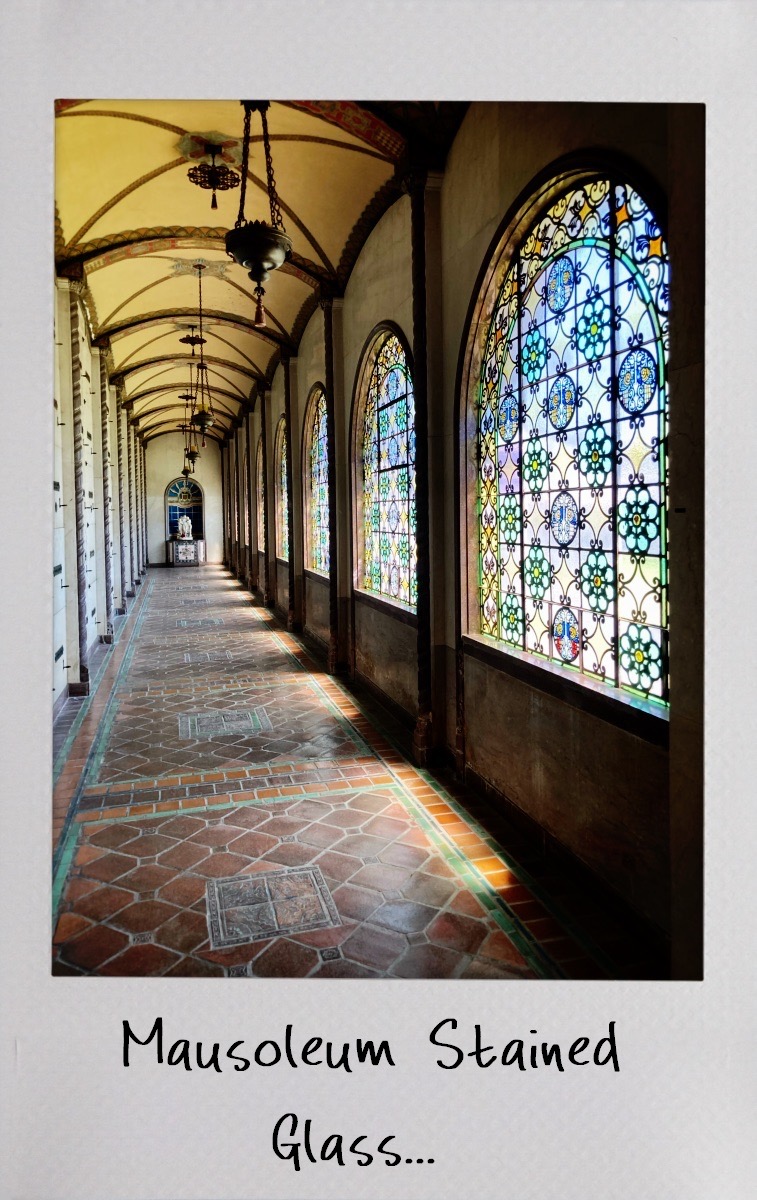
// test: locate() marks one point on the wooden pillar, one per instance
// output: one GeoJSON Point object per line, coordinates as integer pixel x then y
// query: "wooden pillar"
{"type": "Point", "coordinates": [252, 559]}
{"type": "Point", "coordinates": [327, 305]}
{"type": "Point", "coordinates": [224, 515]}
{"type": "Point", "coordinates": [143, 460]}
{"type": "Point", "coordinates": [132, 505]}
{"type": "Point", "coordinates": [267, 590]}
{"type": "Point", "coordinates": [82, 687]}
{"type": "Point", "coordinates": [686, 242]}
{"type": "Point", "coordinates": [138, 503]}
{"type": "Point", "coordinates": [232, 472]}
{"type": "Point", "coordinates": [286, 362]}
{"type": "Point", "coordinates": [238, 459]}
{"type": "Point", "coordinates": [107, 503]}
{"type": "Point", "coordinates": [122, 516]}
{"type": "Point", "coordinates": [423, 732]}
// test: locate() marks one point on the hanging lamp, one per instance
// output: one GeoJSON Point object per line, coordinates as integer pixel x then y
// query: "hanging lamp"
{"type": "Point", "coordinates": [191, 453]}
{"type": "Point", "coordinates": [203, 414]}
{"type": "Point", "coordinates": [257, 246]}
{"type": "Point", "coordinates": [211, 177]}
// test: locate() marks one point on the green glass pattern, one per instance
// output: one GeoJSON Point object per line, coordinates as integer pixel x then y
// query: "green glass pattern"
{"type": "Point", "coordinates": [572, 443]}
{"type": "Point", "coordinates": [319, 486]}
{"type": "Point", "coordinates": [388, 468]}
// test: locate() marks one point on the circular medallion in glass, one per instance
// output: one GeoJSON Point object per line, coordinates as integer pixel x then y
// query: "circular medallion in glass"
{"type": "Point", "coordinates": [563, 518]}
{"type": "Point", "coordinates": [561, 402]}
{"type": "Point", "coordinates": [565, 632]}
{"type": "Point", "coordinates": [637, 381]}
{"type": "Point", "coordinates": [560, 283]}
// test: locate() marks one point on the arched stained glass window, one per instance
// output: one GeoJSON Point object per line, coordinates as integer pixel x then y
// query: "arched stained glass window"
{"type": "Point", "coordinates": [282, 507]}
{"type": "Point", "coordinates": [184, 499]}
{"type": "Point", "coordinates": [259, 495]}
{"type": "Point", "coordinates": [571, 454]}
{"type": "Point", "coordinates": [245, 494]}
{"type": "Point", "coordinates": [388, 475]}
{"type": "Point", "coordinates": [318, 486]}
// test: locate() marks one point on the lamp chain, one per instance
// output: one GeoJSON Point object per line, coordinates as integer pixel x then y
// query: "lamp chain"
{"type": "Point", "coordinates": [245, 159]}
{"type": "Point", "coordinates": [276, 218]}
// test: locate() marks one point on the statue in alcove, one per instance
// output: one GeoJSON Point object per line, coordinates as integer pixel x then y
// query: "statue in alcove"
{"type": "Point", "coordinates": [185, 528]}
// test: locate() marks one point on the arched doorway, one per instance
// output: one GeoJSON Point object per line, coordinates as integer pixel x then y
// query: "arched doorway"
{"type": "Point", "coordinates": [184, 499]}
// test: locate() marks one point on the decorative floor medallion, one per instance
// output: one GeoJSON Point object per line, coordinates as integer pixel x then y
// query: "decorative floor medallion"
{"type": "Point", "coordinates": [267, 905]}
{"type": "Point", "coordinates": [223, 723]}
{"type": "Point", "coordinates": [194, 657]}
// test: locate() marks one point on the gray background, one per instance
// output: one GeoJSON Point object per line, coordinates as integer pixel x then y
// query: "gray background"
{"type": "Point", "coordinates": [678, 1119]}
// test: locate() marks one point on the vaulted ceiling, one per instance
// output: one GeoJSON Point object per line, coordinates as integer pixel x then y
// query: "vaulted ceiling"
{"type": "Point", "coordinates": [129, 225]}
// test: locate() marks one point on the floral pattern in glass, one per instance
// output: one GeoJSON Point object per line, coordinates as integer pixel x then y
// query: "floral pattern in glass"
{"type": "Point", "coordinates": [388, 468]}
{"type": "Point", "coordinates": [319, 486]}
{"type": "Point", "coordinates": [572, 443]}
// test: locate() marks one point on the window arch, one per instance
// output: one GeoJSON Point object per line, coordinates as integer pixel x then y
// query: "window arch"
{"type": "Point", "coordinates": [282, 507]}
{"type": "Point", "coordinates": [317, 483]}
{"type": "Point", "coordinates": [245, 495]}
{"type": "Point", "coordinates": [385, 472]}
{"type": "Point", "coordinates": [260, 494]}
{"type": "Point", "coordinates": [183, 498]}
{"type": "Point", "coordinates": [569, 405]}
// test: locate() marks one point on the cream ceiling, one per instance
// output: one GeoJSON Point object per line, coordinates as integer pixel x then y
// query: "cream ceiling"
{"type": "Point", "coordinates": [130, 224]}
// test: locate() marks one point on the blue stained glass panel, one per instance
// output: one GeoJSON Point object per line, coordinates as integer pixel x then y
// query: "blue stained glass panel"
{"type": "Point", "coordinates": [319, 487]}
{"type": "Point", "coordinates": [388, 468]}
{"type": "Point", "coordinates": [184, 499]}
{"type": "Point", "coordinates": [572, 429]}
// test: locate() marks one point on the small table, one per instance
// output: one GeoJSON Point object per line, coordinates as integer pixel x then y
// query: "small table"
{"type": "Point", "coordinates": [185, 552]}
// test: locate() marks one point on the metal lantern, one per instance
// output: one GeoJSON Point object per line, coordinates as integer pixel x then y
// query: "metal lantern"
{"type": "Point", "coordinates": [257, 246]}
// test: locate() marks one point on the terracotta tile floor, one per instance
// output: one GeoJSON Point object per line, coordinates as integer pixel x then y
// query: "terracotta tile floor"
{"type": "Point", "coordinates": [214, 749]}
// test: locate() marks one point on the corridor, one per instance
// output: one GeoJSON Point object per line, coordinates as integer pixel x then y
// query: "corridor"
{"type": "Point", "coordinates": [224, 807]}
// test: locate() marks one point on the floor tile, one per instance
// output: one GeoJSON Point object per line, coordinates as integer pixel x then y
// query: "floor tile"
{"type": "Point", "coordinates": [222, 758]}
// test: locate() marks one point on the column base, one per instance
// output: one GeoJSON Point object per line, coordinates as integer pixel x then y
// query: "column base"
{"type": "Point", "coordinates": [423, 739]}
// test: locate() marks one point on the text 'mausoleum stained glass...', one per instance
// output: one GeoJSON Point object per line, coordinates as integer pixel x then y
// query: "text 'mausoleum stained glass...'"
{"type": "Point", "coordinates": [388, 457]}
{"type": "Point", "coordinates": [572, 470]}
{"type": "Point", "coordinates": [319, 487]}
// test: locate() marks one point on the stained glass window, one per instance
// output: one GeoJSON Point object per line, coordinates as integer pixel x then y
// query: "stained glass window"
{"type": "Point", "coordinates": [259, 490]}
{"type": "Point", "coordinates": [282, 507]}
{"type": "Point", "coordinates": [245, 494]}
{"type": "Point", "coordinates": [184, 499]}
{"type": "Point", "coordinates": [572, 467]}
{"type": "Point", "coordinates": [318, 466]}
{"type": "Point", "coordinates": [388, 468]}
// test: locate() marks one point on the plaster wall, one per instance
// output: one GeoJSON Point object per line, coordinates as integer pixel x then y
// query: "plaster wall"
{"type": "Point", "coordinates": [311, 370]}
{"type": "Point", "coordinates": [317, 606]}
{"type": "Point", "coordinates": [276, 414]}
{"type": "Point", "coordinates": [100, 466]}
{"type": "Point", "coordinates": [64, 532]}
{"type": "Point", "coordinates": [599, 790]}
{"type": "Point", "coordinates": [379, 289]}
{"type": "Point", "coordinates": [311, 364]}
{"type": "Point", "coordinates": [386, 653]}
{"type": "Point", "coordinates": [282, 586]}
{"type": "Point", "coordinates": [115, 512]}
{"type": "Point", "coordinates": [164, 460]}
{"type": "Point", "coordinates": [128, 533]}
{"type": "Point", "coordinates": [90, 415]}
